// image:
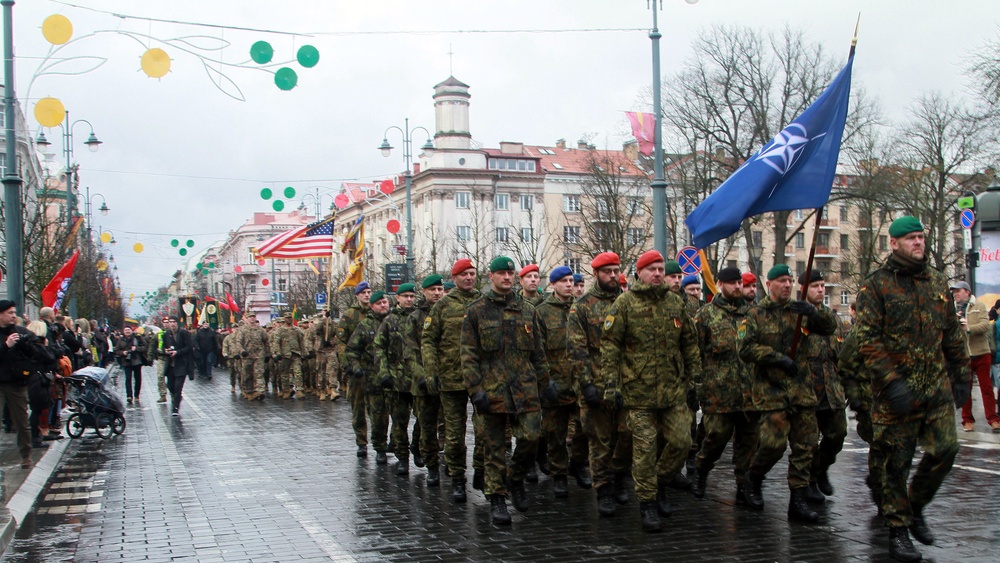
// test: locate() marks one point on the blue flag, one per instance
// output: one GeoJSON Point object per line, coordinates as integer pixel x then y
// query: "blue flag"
{"type": "Point", "coordinates": [794, 170]}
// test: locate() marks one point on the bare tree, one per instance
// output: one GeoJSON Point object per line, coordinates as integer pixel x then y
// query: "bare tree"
{"type": "Point", "coordinates": [476, 240]}
{"type": "Point", "coordinates": [523, 242]}
{"type": "Point", "coordinates": [984, 67]}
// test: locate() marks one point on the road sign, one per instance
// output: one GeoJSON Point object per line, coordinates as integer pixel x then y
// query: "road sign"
{"type": "Point", "coordinates": [395, 275]}
{"type": "Point", "coordinates": [400, 249]}
{"type": "Point", "coordinates": [321, 298]}
{"type": "Point", "coordinates": [968, 218]}
{"type": "Point", "coordinates": [690, 260]}
{"type": "Point", "coordinates": [967, 238]}
{"type": "Point", "coordinates": [967, 202]}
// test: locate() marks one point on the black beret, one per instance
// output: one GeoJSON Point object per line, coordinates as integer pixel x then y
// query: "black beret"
{"type": "Point", "coordinates": [730, 274]}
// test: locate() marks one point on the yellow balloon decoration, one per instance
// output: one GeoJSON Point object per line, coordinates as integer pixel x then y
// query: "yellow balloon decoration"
{"type": "Point", "coordinates": [137, 247]}
{"type": "Point", "coordinates": [57, 29]}
{"type": "Point", "coordinates": [155, 63]}
{"type": "Point", "coordinates": [49, 112]}
{"type": "Point", "coordinates": [105, 238]}
{"type": "Point", "coordinates": [102, 265]}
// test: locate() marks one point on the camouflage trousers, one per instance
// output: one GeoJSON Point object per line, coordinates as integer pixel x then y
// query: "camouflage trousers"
{"type": "Point", "coordinates": [378, 418]}
{"type": "Point", "coordinates": [356, 396]}
{"type": "Point", "coordinates": [455, 405]}
{"type": "Point", "coordinates": [555, 429]}
{"type": "Point", "coordinates": [719, 428]}
{"type": "Point", "coordinates": [234, 372]}
{"type": "Point", "coordinates": [650, 465]}
{"type": "Point", "coordinates": [428, 409]}
{"type": "Point", "coordinates": [526, 428]}
{"type": "Point", "coordinates": [161, 377]}
{"type": "Point", "coordinates": [399, 411]}
{"type": "Point", "coordinates": [936, 433]}
{"type": "Point", "coordinates": [610, 442]}
{"type": "Point", "coordinates": [795, 427]}
{"type": "Point", "coordinates": [832, 424]}
{"type": "Point", "coordinates": [326, 370]}
{"type": "Point", "coordinates": [253, 375]}
{"type": "Point", "coordinates": [876, 463]}
{"type": "Point", "coordinates": [289, 370]}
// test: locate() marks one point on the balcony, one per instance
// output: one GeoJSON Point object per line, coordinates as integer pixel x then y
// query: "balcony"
{"type": "Point", "coordinates": [828, 224]}
{"type": "Point", "coordinates": [827, 252]}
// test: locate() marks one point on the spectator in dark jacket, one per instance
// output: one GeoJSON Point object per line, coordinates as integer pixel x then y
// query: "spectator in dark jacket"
{"type": "Point", "coordinates": [204, 342]}
{"type": "Point", "coordinates": [19, 348]}
{"type": "Point", "coordinates": [44, 366]}
{"type": "Point", "coordinates": [131, 352]}
{"type": "Point", "coordinates": [178, 346]}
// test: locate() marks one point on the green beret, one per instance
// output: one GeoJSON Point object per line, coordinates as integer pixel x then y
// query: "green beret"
{"type": "Point", "coordinates": [672, 267]}
{"type": "Point", "coordinates": [376, 296]}
{"type": "Point", "coordinates": [405, 288]}
{"type": "Point", "coordinates": [501, 263]}
{"type": "Point", "coordinates": [448, 286]}
{"type": "Point", "coordinates": [777, 271]}
{"type": "Point", "coordinates": [904, 226]}
{"type": "Point", "coordinates": [433, 279]}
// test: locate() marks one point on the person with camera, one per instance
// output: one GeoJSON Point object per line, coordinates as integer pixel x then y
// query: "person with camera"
{"type": "Point", "coordinates": [179, 350]}
{"type": "Point", "coordinates": [131, 352]}
{"type": "Point", "coordinates": [19, 349]}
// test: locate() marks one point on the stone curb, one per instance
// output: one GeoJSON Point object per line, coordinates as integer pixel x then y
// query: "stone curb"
{"type": "Point", "coordinates": [23, 500]}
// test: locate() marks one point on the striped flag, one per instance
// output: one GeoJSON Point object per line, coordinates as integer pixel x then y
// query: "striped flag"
{"type": "Point", "coordinates": [310, 241]}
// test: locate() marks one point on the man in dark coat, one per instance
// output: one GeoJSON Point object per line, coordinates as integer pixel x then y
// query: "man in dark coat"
{"type": "Point", "coordinates": [19, 348]}
{"type": "Point", "coordinates": [178, 345]}
{"type": "Point", "coordinates": [204, 342]}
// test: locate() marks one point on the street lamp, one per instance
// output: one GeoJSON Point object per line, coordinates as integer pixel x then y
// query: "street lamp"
{"type": "Point", "coordinates": [92, 143]}
{"type": "Point", "coordinates": [386, 149]}
{"type": "Point", "coordinates": [317, 199]}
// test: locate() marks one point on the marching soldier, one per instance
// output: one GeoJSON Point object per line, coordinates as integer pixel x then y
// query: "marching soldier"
{"type": "Point", "coordinates": [426, 401]}
{"type": "Point", "coordinates": [287, 353]}
{"type": "Point", "coordinates": [327, 363]}
{"type": "Point", "coordinates": [393, 377]}
{"type": "Point", "coordinates": [349, 321]}
{"type": "Point", "coordinates": [231, 352]}
{"type": "Point", "coordinates": [364, 372]}
{"type": "Point", "coordinates": [529, 277]}
{"type": "Point", "coordinates": [254, 348]}
{"type": "Point", "coordinates": [858, 392]}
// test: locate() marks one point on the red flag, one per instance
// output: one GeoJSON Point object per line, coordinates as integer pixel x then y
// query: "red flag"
{"type": "Point", "coordinates": [232, 303]}
{"type": "Point", "coordinates": [53, 293]}
{"type": "Point", "coordinates": [644, 130]}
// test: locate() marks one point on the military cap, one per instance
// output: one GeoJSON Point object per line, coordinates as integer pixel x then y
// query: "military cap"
{"type": "Point", "coordinates": [559, 273]}
{"type": "Point", "coordinates": [448, 285]}
{"type": "Point", "coordinates": [777, 271]}
{"type": "Point", "coordinates": [605, 259]}
{"type": "Point", "coordinates": [672, 267]}
{"type": "Point", "coordinates": [501, 263]}
{"type": "Point", "coordinates": [729, 274]}
{"type": "Point", "coordinates": [361, 287]}
{"type": "Point", "coordinates": [376, 296]}
{"type": "Point", "coordinates": [405, 288]}
{"type": "Point", "coordinates": [431, 280]}
{"type": "Point", "coordinates": [577, 278]}
{"type": "Point", "coordinates": [461, 265]}
{"type": "Point", "coordinates": [814, 276]}
{"type": "Point", "coordinates": [647, 258]}
{"type": "Point", "coordinates": [689, 280]}
{"type": "Point", "coordinates": [749, 278]}
{"type": "Point", "coordinates": [622, 280]}
{"type": "Point", "coordinates": [904, 226]}
{"type": "Point", "coordinates": [286, 316]}
{"type": "Point", "coordinates": [527, 270]}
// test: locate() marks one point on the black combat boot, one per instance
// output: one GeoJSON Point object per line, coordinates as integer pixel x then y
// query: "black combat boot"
{"type": "Point", "coordinates": [662, 502]}
{"type": "Point", "coordinates": [823, 482]}
{"type": "Point", "coordinates": [650, 520]}
{"type": "Point", "coordinates": [900, 546]}
{"type": "Point", "coordinates": [362, 451]}
{"type": "Point", "coordinates": [391, 448]}
{"type": "Point", "coordinates": [798, 509]}
{"type": "Point", "coordinates": [478, 480]}
{"type": "Point", "coordinates": [680, 482]}
{"type": "Point", "coordinates": [559, 487]}
{"type": "Point", "coordinates": [812, 494]}
{"type": "Point", "coordinates": [581, 473]}
{"type": "Point", "coordinates": [403, 467]}
{"type": "Point", "coordinates": [752, 493]}
{"type": "Point", "coordinates": [498, 510]}
{"type": "Point", "coordinates": [433, 477]}
{"type": "Point", "coordinates": [532, 476]}
{"type": "Point", "coordinates": [700, 480]}
{"type": "Point", "coordinates": [458, 490]}
{"type": "Point", "coordinates": [605, 502]}
{"type": "Point", "coordinates": [518, 496]}
{"type": "Point", "coordinates": [380, 458]}
{"type": "Point", "coordinates": [919, 528]}
{"type": "Point", "coordinates": [621, 489]}
{"type": "Point", "coordinates": [741, 492]}
{"type": "Point", "coordinates": [418, 459]}
{"type": "Point", "coordinates": [691, 466]}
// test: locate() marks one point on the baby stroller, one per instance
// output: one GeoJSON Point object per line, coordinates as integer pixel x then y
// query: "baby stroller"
{"type": "Point", "coordinates": [98, 406]}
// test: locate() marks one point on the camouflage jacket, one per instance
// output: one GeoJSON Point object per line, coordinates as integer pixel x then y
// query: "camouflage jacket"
{"type": "Point", "coordinates": [820, 352]}
{"type": "Point", "coordinates": [726, 383]}
{"type": "Point", "coordinates": [311, 340]}
{"type": "Point", "coordinates": [389, 350]}
{"type": "Point", "coordinates": [553, 320]}
{"type": "Point", "coordinates": [502, 352]}
{"type": "Point", "coordinates": [586, 325]}
{"type": "Point", "coordinates": [649, 349]}
{"type": "Point", "coordinates": [535, 301]}
{"type": "Point", "coordinates": [441, 341]}
{"type": "Point", "coordinates": [286, 341]}
{"type": "Point", "coordinates": [908, 329]}
{"type": "Point", "coordinates": [348, 322]}
{"type": "Point", "coordinates": [691, 304]}
{"type": "Point", "coordinates": [766, 336]}
{"type": "Point", "coordinates": [231, 346]}
{"type": "Point", "coordinates": [253, 340]}
{"type": "Point", "coordinates": [413, 328]}
{"type": "Point", "coordinates": [360, 354]}
{"type": "Point", "coordinates": [853, 374]}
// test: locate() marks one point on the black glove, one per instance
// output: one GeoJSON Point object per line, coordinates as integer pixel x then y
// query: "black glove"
{"type": "Point", "coordinates": [277, 357]}
{"type": "Point", "coordinates": [787, 364]}
{"type": "Point", "coordinates": [358, 373]}
{"type": "Point", "coordinates": [899, 397]}
{"type": "Point", "coordinates": [422, 384]}
{"type": "Point", "coordinates": [613, 398]}
{"type": "Point", "coordinates": [692, 399]}
{"type": "Point", "coordinates": [310, 355]}
{"type": "Point", "coordinates": [385, 382]}
{"type": "Point", "coordinates": [590, 395]}
{"type": "Point", "coordinates": [481, 402]}
{"type": "Point", "coordinates": [406, 398]}
{"type": "Point", "coordinates": [856, 405]}
{"type": "Point", "coordinates": [433, 385]}
{"type": "Point", "coordinates": [802, 308]}
{"type": "Point", "coordinates": [244, 354]}
{"type": "Point", "coordinates": [550, 393]}
{"type": "Point", "coordinates": [961, 394]}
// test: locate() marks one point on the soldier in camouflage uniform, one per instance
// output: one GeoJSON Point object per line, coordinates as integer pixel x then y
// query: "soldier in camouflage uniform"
{"type": "Point", "coordinates": [558, 394]}
{"type": "Point", "coordinates": [426, 401]}
{"type": "Point", "coordinates": [529, 277]}
{"type": "Point", "coordinates": [649, 360]}
{"type": "Point", "coordinates": [821, 355]}
{"type": "Point", "coordinates": [782, 389]}
{"type": "Point", "coordinates": [503, 363]}
{"type": "Point", "coordinates": [680, 284]}
{"type": "Point", "coordinates": [287, 353]}
{"type": "Point", "coordinates": [609, 438]}
{"type": "Point", "coordinates": [254, 348]}
{"type": "Point", "coordinates": [916, 355]}
{"type": "Point", "coordinates": [231, 352]}
{"type": "Point", "coordinates": [309, 347]}
{"type": "Point", "coordinates": [327, 363]}
{"type": "Point", "coordinates": [440, 349]}
{"type": "Point", "coordinates": [393, 376]}
{"type": "Point", "coordinates": [349, 321]}
{"type": "Point", "coordinates": [724, 389]}
{"type": "Point", "coordinates": [364, 372]}
{"type": "Point", "coordinates": [858, 391]}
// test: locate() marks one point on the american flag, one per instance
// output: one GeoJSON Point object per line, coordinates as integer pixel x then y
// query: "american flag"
{"type": "Point", "coordinates": [311, 241]}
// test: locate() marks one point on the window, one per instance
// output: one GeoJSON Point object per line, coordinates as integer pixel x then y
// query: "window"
{"type": "Point", "coordinates": [571, 203]}
{"type": "Point", "coordinates": [501, 234]}
{"type": "Point", "coordinates": [826, 299]}
{"type": "Point", "coordinates": [464, 233]}
{"type": "Point", "coordinates": [557, 166]}
{"type": "Point", "coordinates": [3, 164]}
{"type": "Point", "coordinates": [635, 206]}
{"type": "Point", "coordinates": [522, 165]}
{"type": "Point", "coordinates": [823, 240]}
{"type": "Point", "coordinates": [825, 266]}
{"type": "Point", "coordinates": [462, 200]}
{"type": "Point", "coordinates": [282, 284]}
{"type": "Point", "coordinates": [800, 268]}
{"type": "Point", "coordinates": [531, 166]}
{"type": "Point", "coordinates": [251, 258]}
{"type": "Point", "coordinates": [758, 239]}
{"type": "Point", "coordinates": [799, 215]}
{"type": "Point", "coordinates": [491, 164]}
{"type": "Point", "coordinates": [252, 287]}
{"type": "Point", "coordinates": [573, 263]}
{"type": "Point", "coordinates": [502, 202]}
{"type": "Point", "coordinates": [602, 209]}
{"type": "Point", "coordinates": [571, 234]}
{"type": "Point", "coordinates": [845, 298]}
{"type": "Point", "coordinates": [800, 240]}
{"type": "Point", "coordinates": [731, 264]}
{"type": "Point", "coordinates": [602, 233]}
{"type": "Point", "coordinates": [635, 235]}
{"type": "Point", "coordinates": [883, 242]}
{"type": "Point", "coordinates": [527, 202]}
{"type": "Point", "coordinates": [845, 242]}
{"type": "Point", "coordinates": [844, 213]}
{"type": "Point", "coordinates": [527, 234]}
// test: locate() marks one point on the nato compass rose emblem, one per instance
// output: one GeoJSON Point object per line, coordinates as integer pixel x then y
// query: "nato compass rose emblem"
{"type": "Point", "coordinates": [786, 147]}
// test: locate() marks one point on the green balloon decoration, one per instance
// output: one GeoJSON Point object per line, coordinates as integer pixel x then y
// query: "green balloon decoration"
{"type": "Point", "coordinates": [261, 52]}
{"type": "Point", "coordinates": [190, 243]}
{"type": "Point", "coordinates": [289, 192]}
{"type": "Point", "coordinates": [285, 78]}
{"type": "Point", "coordinates": [266, 193]}
{"type": "Point", "coordinates": [175, 243]}
{"type": "Point", "coordinates": [278, 205]}
{"type": "Point", "coordinates": [211, 264]}
{"type": "Point", "coordinates": [198, 266]}
{"type": "Point", "coordinates": [204, 272]}
{"type": "Point", "coordinates": [183, 252]}
{"type": "Point", "coordinates": [307, 56]}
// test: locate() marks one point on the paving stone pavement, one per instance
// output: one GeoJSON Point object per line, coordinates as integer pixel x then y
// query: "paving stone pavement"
{"type": "Point", "coordinates": [279, 481]}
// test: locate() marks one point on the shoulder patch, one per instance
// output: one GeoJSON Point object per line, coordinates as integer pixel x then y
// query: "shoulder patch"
{"type": "Point", "coordinates": [742, 330]}
{"type": "Point", "coordinates": [609, 321]}
{"type": "Point", "coordinates": [427, 322]}
{"type": "Point", "coordinates": [678, 323]}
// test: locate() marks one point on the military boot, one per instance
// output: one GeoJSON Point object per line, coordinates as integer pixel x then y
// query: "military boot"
{"type": "Point", "coordinates": [752, 493]}
{"type": "Point", "coordinates": [498, 510]}
{"type": "Point", "coordinates": [741, 494]}
{"type": "Point", "coordinates": [900, 546]}
{"type": "Point", "coordinates": [621, 489]}
{"type": "Point", "coordinates": [458, 490]}
{"type": "Point", "coordinates": [391, 448]}
{"type": "Point", "coordinates": [433, 477]}
{"type": "Point", "coordinates": [680, 482]}
{"type": "Point", "coordinates": [919, 527]}
{"type": "Point", "coordinates": [700, 481]}
{"type": "Point", "coordinates": [478, 480]}
{"type": "Point", "coordinates": [798, 509]}
{"type": "Point", "coordinates": [518, 496]}
{"type": "Point", "coordinates": [650, 520]}
{"type": "Point", "coordinates": [532, 476]}
{"type": "Point", "coordinates": [812, 494]}
{"type": "Point", "coordinates": [380, 458]}
{"type": "Point", "coordinates": [823, 482]}
{"type": "Point", "coordinates": [559, 487]}
{"type": "Point", "coordinates": [581, 473]}
{"type": "Point", "coordinates": [403, 467]}
{"type": "Point", "coordinates": [362, 451]}
{"type": "Point", "coordinates": [418, 459]}
{"type": "Point", "coordinates": [662, 502]}
{"type": "Point", "coordinates": [605, 502]}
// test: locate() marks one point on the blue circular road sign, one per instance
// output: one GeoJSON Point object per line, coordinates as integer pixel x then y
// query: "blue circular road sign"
{"type": "Point", "coordinates": [968, 218]}
{"type": "Point", "coordinates": [690, 260]}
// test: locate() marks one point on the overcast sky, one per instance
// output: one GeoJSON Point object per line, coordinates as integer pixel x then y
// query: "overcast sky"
{"type": "Point", "coordinates": [182, 160]}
